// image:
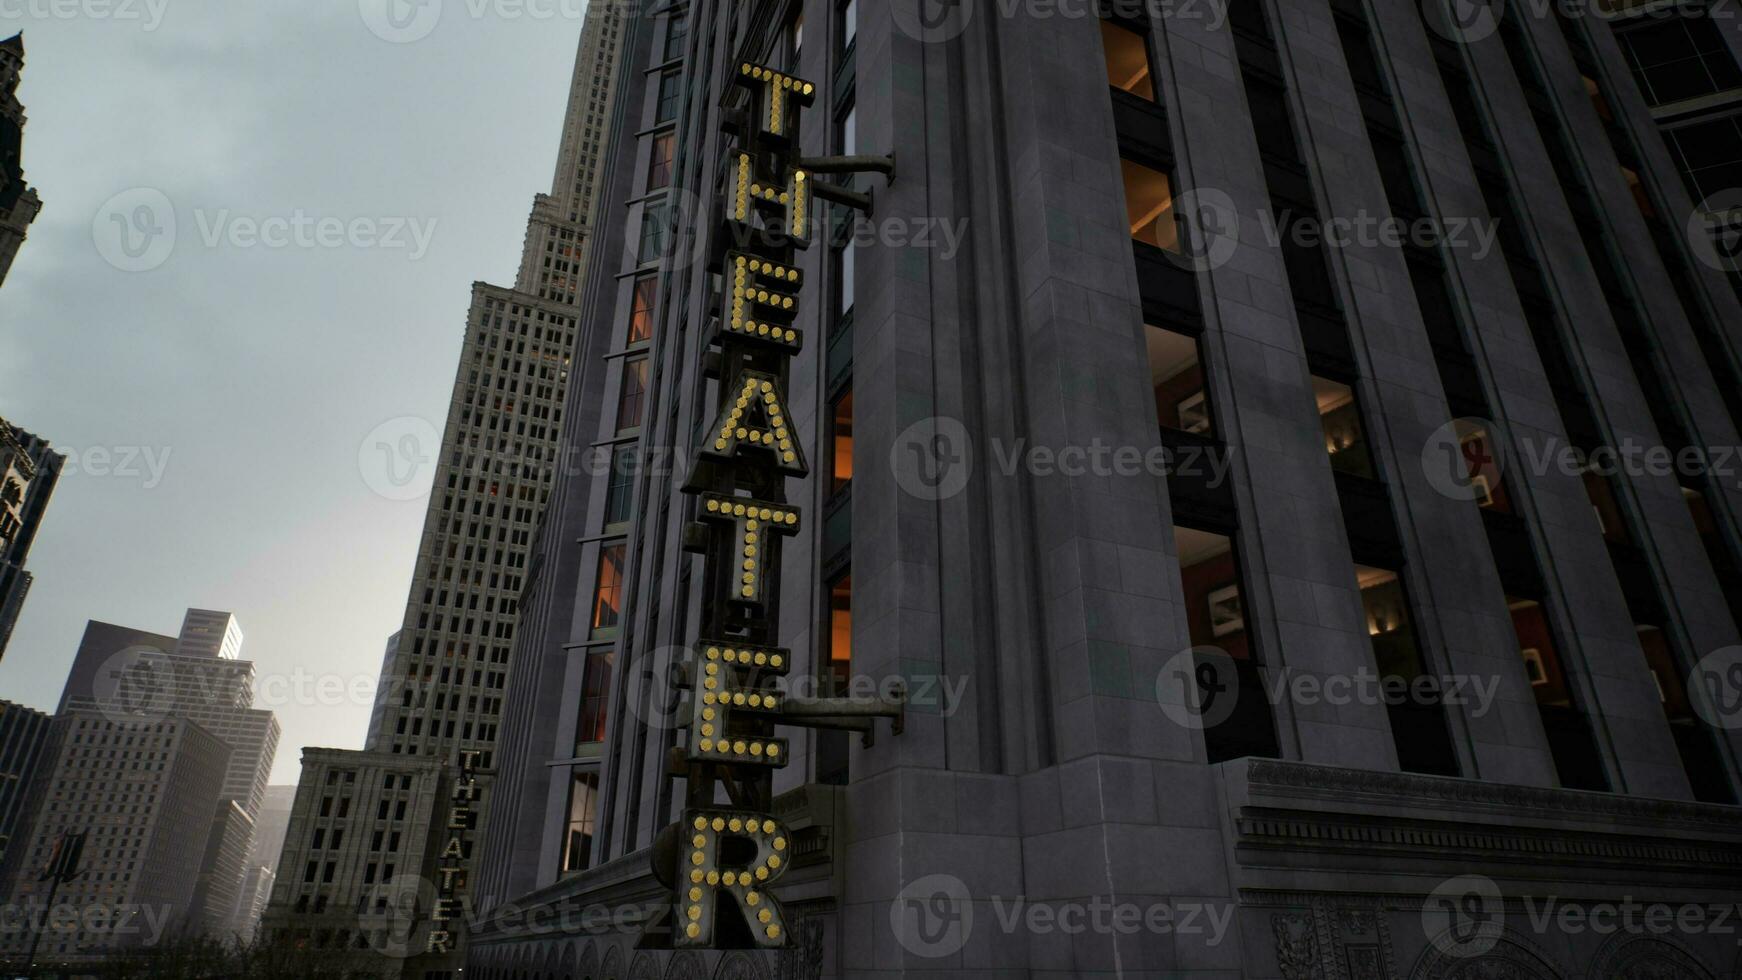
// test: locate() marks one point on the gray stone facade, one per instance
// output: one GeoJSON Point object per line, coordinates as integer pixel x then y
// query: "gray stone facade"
{"type": "Point", "coordinates": [1063, 811]}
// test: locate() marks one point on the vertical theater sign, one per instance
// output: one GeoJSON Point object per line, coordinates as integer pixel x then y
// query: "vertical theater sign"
{"type": "Point", "coordinates": [727, 850]}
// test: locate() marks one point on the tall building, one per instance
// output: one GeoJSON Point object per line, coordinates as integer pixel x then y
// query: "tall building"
{"type": "Point", "coordinates": [261, 864]}
{"type": "Point", "coordinates": [1229, 433]}
{"type": "Point", "coordinates": [445, 671]}
{"type": "Point", "coordinates": [19, 203]}
{"type": "Point", "coordinates": [28, 473]}
{"type": "Point", "coordinates": [141, 790]}
{"type": "Point", "coordinates": [24, 735]}
{"type": "Point", "coordinates": [1686, 60]}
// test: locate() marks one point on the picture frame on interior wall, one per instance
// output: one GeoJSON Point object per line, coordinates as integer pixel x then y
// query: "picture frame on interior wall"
{"type": "Point", "coordinates": [1484, 490]}
{"type": "Point", "coordinates": [1533, 667]}
{"type": "Point", "coordinates": [1194, 414]}
{"type": "Point", "coordinates": [1227, 615]}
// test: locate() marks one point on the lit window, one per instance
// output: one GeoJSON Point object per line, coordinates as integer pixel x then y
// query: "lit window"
{"type": "Point", "coordinates": [1149, 206]}
{"type": "Point", "coordinates": [608, 592]}
{"type": "Point", "coordinates": [1127, 54]}
{"type": "Point", "coordinates": [641, 315]}
{"type": "Point", "coordinates": [633, 395]}
{"type": "Point", "coordinates": [659, 166]}
{"type": "Point", "coordinates": [595, 701]}
{"type": "Point", "coordinates": [1345, 438]}
{"type": "Point", "coordinates": [1176, 375]}
{"type": "Point", "coordinates": [840, 665]}
{"type": "Point", "coordinates": [841, 443]}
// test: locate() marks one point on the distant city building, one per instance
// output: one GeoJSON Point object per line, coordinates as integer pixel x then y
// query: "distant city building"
{"type": "Point", "coordinates": [142, 791]}
{"type": "Point", "coordinates": [262, 861]}
{"type": "Point", "coordinates": [445, 671]}
{"type": "Point", "coordinates": [28, 473]}
{"type": "Point", "coordinates": [357, 880]}
{"type": "Point", "coordinates": [19, 203]}
{"type": "Point", "coordinates": [251, 905]}
{"type": "Point", "coordinates": [132, 680]}
{"type": "Point", "coordinates": [24, 734]}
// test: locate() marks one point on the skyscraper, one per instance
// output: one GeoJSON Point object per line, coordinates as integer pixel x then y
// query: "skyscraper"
{"type": "Point", "coordinates": [24, 737]}
{"type": "Point", "coordinates": [29, 470]}
{"type": "Point", "coordinates": [19, 203]}
{"type": "Point", "coordinates": [440, 699]}
{"type": "Point", "coordinates": [1228, 432]}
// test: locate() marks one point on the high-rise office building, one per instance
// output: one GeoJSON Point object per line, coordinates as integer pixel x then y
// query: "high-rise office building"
{"type": "Point", "coordinates": [19, 203]}
{"type": "Point", "coordinates": [141, 791]}
{"type": "Point", "coordinates": [24, 735]}
{"type": "Point", "coordinates": [1230, 432]}
{"type": "Point", "coordinates": [28, 472]}
{"type": "Point", "coordinates": [1686, 59]}
{"type": "Point", "coordinates": [445, 671]}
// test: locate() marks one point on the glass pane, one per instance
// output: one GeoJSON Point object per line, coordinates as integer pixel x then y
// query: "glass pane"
{"type": "Point", "coordinates": [1127, 54]}
{"type": "Point", "coordinates": [1176, 374]}
{"type": "Point", "coordinates": [641, 316]}
{"type": "Point", "coordinates": [582, 817]}
{"type": "Point", "coordinates": [633, 395]}
{"type": "Point", "coordinates": [608, 593]}
{"type": "Point", "coordinates": [1345, 439]}
{"type": "Point", "coordinates": [842, 446]}
{"type": "Point", "coordinates": [1215, 607]}
{"type": "Point", "coordinates": [841, 632]}
{"type": "Point", "coordinates": [1149, 205]}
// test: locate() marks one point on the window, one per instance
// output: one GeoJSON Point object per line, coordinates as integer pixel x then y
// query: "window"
{"type": "Point", "coordinates": [1418, 726]}
{"type": "Point", "coordinates": [1224, 680]}
{"type": "Point", "coordinates": [633, 395]}
{"type": "Point", "coordinates": [1176, 375]}
{"type": "Point", "coordinates": [583, 805]}
{"type": "Point", "coordinates": [840, 666]}
{"type": "Point", "coordinates": [619, 487]}
{"type": "Point", "coordinates": [1127, 54]}
{"type": "Point", "coordinates": [608, 591]}
{"type": "Point", "coordinates": [841, 443]}
{"type": "Point", "coordinates": [659, 165]}
{"type": "Point", "coordinates": [849, 24]}
{"type": "Point", "coordinates": [1149, 206]}
{"type": "Point", "coordinates": [794, 41]}
{"type": "Point", "coordinates": [1570, 741]}
{"type": "Point", "coordinates": [1709, 155]}
{"type": "Point", "coordinates": [1678, 59]}
{"type": "Point", "coordinates": [677, 28]}
{"type": "Point", "coordinates": [641, 312]}
{"type": "Point", "coordinates": [844, 273]}
{"type": "Point", "coordinates": [652, 232]}
{"type": "Point", "coordinates": [669, 88]}
{"type": "Point", "coordinates": [1345, 438]}
{"type": "Point", "coordinates": [595, 702]}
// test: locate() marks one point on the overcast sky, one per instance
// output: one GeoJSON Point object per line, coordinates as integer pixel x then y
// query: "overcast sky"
{"type": "Point", "coordinates": [215, 403]}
